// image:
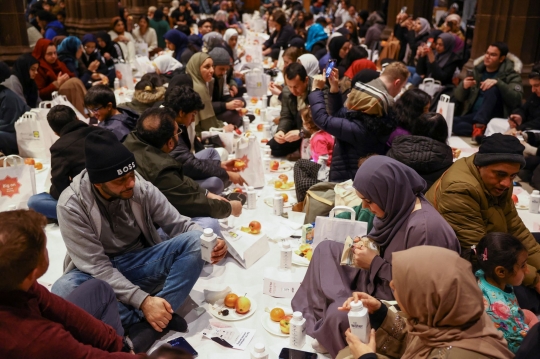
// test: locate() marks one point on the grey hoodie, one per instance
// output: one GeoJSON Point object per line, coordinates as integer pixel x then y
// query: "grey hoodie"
{"type": "Point", "coordinates": [80, 224]}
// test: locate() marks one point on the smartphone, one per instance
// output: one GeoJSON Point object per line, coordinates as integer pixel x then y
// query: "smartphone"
{"type": "Point", "coordinates": [330, 67]}
{"type": "Point", "coordinates": [287, 353]}
{"type": "Point", "coordinates": [429, 42]}
{"type": "Point", "coordinates": [470, 73]}
{"type": "Point", "coordinates": [403, 10]}
{"type": "Point", "coordinates": [183, 344]}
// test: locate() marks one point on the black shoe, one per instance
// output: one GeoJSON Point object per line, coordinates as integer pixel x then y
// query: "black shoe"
{"type": "Point", "coordinates": [478, 139]}
{"type": "Point", "coordinates": [177, 323]}
{"type": "Point", "coordinates": [142, 336]}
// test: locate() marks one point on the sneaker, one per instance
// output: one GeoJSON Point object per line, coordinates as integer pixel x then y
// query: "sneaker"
{"type": "Point", "coordinates": [478, 132]}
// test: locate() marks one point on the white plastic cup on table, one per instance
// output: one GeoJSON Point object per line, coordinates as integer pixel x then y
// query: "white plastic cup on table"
{"type": "Point", "coordinates": [266, 163]}
{"type": "Point", "coordinates": [285, 260]}
{"type": "Point", "coordinates": [297, 334]}
{"type": "Point", "coordinates": [359, 321]}
{"type": "Point", "coordinates": [534, 202]}
{"type": "Point", "coordinates": [278, 204]}
{"type": "Point", "coordinates": [208, 242]}
{"type": "Point", "coordinates": [251, 198]}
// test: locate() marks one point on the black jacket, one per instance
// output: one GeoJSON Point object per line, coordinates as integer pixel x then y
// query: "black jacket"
{"type": "Point", "coordinates": [67, 155]}
{"type": "Point", "coordinates": [166, 174]}
{"type": "Point", "coordinates": [428, 157]}
{"type": "Point", "coordinates": [530, 113]}
{"type": "Point", "coordinates": [279, 40]}
{"type": "Point", "coordinates": [357, 134]}
{"type": "Point", "coordinates": [193, 167]}
{"type": "Point", "coordinates": [406, 36]}
{"type": "Point", "coordinates": [443, 74]}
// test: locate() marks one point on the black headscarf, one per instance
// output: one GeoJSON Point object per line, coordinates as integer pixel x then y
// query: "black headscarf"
{"type": "Point", "coordinates": [335, 45]}
{"type": "Point", "coordinates": [21, 69]}
{"type": "Point", "coordinates": [109, 45]}
{"type": "Point", "coordinates": [5, 72]}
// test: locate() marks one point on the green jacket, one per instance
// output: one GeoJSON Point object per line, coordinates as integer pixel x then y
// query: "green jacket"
{"type": "Point", "coordinates": [508, 81]}
{"type": "Point", "coordinates": [462, 199]}
{"type": "Point", "coordinates": [289, 118]}
{"type": "Point", "coordinates": [362, 215]}
{"type": "Point", "coordinates": [166, 174]}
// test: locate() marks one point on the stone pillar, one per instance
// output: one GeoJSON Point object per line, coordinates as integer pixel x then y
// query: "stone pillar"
{"type": "Point", "coordinates": [139, 7]}
{"type": "Point", "coordinates": [83, 17]}
{"type": "Point", "coordinates": [416, 8]}
{"type": "Point", "coordinates": [13, 35]}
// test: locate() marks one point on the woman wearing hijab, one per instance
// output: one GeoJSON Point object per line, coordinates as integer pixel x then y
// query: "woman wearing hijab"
{"type": "Point", "coordinates": [176, 41]}
{"type": "Point", "coordinates": [442, 310]}
{"type": "Point", "coordinates": [200, 68]}
{"type": "Point", "coordinates": [280, 36]}
{"type": "Point", "coordinates": [310, 63]}
{"type": "Point", "coordinates": [316, 38]}
{"type": "Point", "coordinates": [362, 23]}
{"type": "Point", "coordinates": [22, 80]}
{"type": "Point", "coordinates": [231, 41]}
{"type": "Point", "coordinates": [93, 60]}
{"type": "Point", "coordinates": [441, 63]}
{"type": "Point", "coordinates": [414, 38]}
{"type": "Point", "coordinates": [377, 26]}
{"type": "Point", "coordinates": [12, 107]}
{"type": "Point", "coordinates": [123, 38]}
{"type": "Point", "coordinates": [195, 44]}
{"type": "Point", "coordinates": [338, 48]}
{"type": "Point", "coordinates": [53, 75]}
{"type": "Point", "coordinates": [111, 51]}
{"type": "Point", "coordinates": [167, 67]}
{"type": "Point", "coordinates": [403, 219]}
{"type": "Point", "coordinates": [70, 52]}
{"type": "Point", "coordinates": [211, 40]}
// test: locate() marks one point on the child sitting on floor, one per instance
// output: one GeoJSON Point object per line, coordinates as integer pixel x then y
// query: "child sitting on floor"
{"type": "Point", "coordinates": [503, 264]}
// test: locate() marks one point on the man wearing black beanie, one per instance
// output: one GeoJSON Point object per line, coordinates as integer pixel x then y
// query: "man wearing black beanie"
{"type": "Point", "coordinates": [108, 218]}
{"type": "Point", "coordinates": [475, 197]}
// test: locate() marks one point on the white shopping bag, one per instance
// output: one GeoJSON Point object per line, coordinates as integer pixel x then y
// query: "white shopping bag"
{"type": "Point", "coordinates": [62, 100]}
{"type": "Point", "coordinates": [34, 136]}
{"type": "Point", "coordinates": [253, 54]}
{"type": "Point", "coordinates": [255, 82]}
{"type": "Point", "coordinates": [430, 86]}
{"type": "Point", "coordinates": [446, 109]}
{"type": "Point", "coordinates": [141, 48]}
{"type": "Point", "coordinates": [17, 184]}
{"type": "Point", "coordinates": [305, 149]}
{"type": "Point", "coordinates": [338, 229]}
{"type": "Point", "coordinates": [226, 137]}
{"type": "Point", "coordinates": [250, 153]}
{"type": "Point", "coordinates": [127, 75]}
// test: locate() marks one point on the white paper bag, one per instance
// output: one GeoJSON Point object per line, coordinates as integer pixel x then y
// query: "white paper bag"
{"type": "Point", "coordinates": [226, 137]}
{"type": "Point", "coordinates": [255, 82]}
{"type": "Point", "coordinates": [446, 109]}
{"type": "Point", "coordinates": [34, 136]}
{"type": "Point", "coordinates": [141, 48]}
{"type": "Point", "coordinates": [250, 153]}
{"type": "Point", "coordinates": [338, 229]}
{"type": "Point", "coordinates": [430, 86]}
{"type": "Point", "coordinates": [127, 75]}
{"type": "Point", "coordinates": [17, 184]}
{"type": "Point", "coordinates": [62, 100]}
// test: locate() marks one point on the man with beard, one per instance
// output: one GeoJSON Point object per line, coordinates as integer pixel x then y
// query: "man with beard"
{"type": "Point", "coordinates": [108, 218]}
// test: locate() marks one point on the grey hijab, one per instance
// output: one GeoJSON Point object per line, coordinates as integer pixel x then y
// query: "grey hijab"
{"type": "Point", "coordinates": [394, 187]}
{"type": "Point", "coordinates": [449, 41]}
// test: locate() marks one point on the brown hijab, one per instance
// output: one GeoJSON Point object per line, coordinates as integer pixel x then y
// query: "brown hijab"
{"type": "Point", "coordinates": [444, 306]}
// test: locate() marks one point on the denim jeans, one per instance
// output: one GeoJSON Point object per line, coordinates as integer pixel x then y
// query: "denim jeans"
{"type": "Point", "coordinates": [168, 270]}
{"type": "Point", "coordinates": [414, 79]}
{"type": "Point", "coordinates": [43, 203]}
{"type": "Point", "coordinates": [493, 106]}
{"type": "Point", "coordinates": [212, 184]}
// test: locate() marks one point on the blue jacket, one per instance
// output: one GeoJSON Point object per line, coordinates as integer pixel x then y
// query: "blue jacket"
{"type": "Point", "coordinates": [357, 134]}
{"type": "Point", "coordinates": [122, 124]}
{"type": "Point", "coordinates": [50, 29]}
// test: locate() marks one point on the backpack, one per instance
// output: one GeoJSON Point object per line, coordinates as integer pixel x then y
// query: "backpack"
{"type": "Point", "coordinates": [319, 201]}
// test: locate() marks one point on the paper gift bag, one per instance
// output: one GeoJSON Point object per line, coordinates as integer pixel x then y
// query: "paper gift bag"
{"type": "Point", "coordinates": [446, 109]}
{"type": "Point", "coordinates": [141, 48]}
{"type": "Point", "coordinates": [338, 229]}
{"type": "Point", "coordinates": [249, 153]}
{"type": "Point", "coordinates": [34, 136]}
{"type": "Point", "coordinates": [227, 138]}
{"type": "Point", "coordinates": [127, 75]}
{"type": "Point", "coordinates": [17, 184]}
{"type": "Point", "coordinates": [62, 100]}
{"type": "Point", "coordinates": [430, 86]}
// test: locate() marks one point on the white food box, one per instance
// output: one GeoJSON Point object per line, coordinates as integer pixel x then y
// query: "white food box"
{"type": "Point", "coordinates": [244, 247]}
{"type": "Point", "coordinates": [279, 283]}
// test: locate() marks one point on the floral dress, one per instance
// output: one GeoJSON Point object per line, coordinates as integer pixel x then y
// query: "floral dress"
{"type": "Point", "coordinates": [503, 308]}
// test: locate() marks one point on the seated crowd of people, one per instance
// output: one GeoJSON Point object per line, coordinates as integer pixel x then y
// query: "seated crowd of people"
{"type": "Point", "coordinates": [133, 189]}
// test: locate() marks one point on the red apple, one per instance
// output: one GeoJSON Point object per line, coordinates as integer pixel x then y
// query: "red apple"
{"type": "Point", "coordinates": [515, 198]}
{"type": "Point", "coordinates": [260, 127]}
{"type": "Point", "coordinates": [237, 190]}
{"type": "Point", "coordinates": [264, 140]}
{"type": "Point", "coordinates": [274, 165]}
{"type": "Point", "coordinates": [243, 305]}
{"type": "Point", "coordinates": [255, 227]}
{"type": "Point", "coordinates": [284, 324]}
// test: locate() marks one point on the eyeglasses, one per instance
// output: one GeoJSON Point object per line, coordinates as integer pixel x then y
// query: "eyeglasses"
{"type": "Point", "coordinates": [178, 133]}
{"type": "Point", "coordinates": [94, 110]}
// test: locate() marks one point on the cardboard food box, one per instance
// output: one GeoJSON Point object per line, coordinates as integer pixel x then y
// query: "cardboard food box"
{"type": "Point", "coordinates": [244, 247]}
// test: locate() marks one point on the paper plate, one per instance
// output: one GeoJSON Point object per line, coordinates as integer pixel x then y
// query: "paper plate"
{"type": "Point", "coordinates": [271, 326]}
{"type": "Point", "coordinates": [271, 183]}
{"type": "Point", "coordinates": [283, 167]}
{"type": "Point", "coordinates": [270, 201]}
{"type": "Point", "coordinates": [214, 309]}
{"type": "Point", "coordinates": [300, 261]}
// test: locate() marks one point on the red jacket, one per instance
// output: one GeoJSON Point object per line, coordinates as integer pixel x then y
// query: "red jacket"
{"type": "Point", "coordinates": [38, 324]}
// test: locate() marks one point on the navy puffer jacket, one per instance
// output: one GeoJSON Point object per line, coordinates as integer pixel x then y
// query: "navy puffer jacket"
{"type": "Point", "coordinates": [357, 134]}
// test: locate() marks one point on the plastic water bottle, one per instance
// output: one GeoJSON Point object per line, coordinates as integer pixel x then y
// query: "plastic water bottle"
{"type": "Point", "coordinates": [285, 261]}
{"type": "Point", "coordinates": [251, 198]}
{"type": "Point", "coordinates": [278, 204]}
{"type": "Point", "coordinates": [263, 115]}
{"type": "Point", "coordinates": [266, 164]}
{"type": "Point", "coordinates": [359, 321]}
{"type": "Point", "coordinates": [534, 202]}
{"type": "Point", "coordinates": [264, 101]}
{"type": "Point", "coordinates": [208, 242]}
{"type": "Point", "coordinates": [324, 171]}
{"type": "Point", "coordinates": [246, 124]}
{"type": "Point", "coordinates": [297, 334]}
{"type": "Point", "coordinates": [259, 352]}
{"type": "Point", "coordinates": [116, 83]}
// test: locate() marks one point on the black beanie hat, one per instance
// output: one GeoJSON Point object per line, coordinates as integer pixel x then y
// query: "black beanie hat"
{"type": "Point", "coordinates": [106, 158]}
{"type": "Point", "coordinates": [499, 148]}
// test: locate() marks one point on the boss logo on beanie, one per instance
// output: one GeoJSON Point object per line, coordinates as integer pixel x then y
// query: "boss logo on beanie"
{"type": "Point", "coordinates": [130, 167]}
